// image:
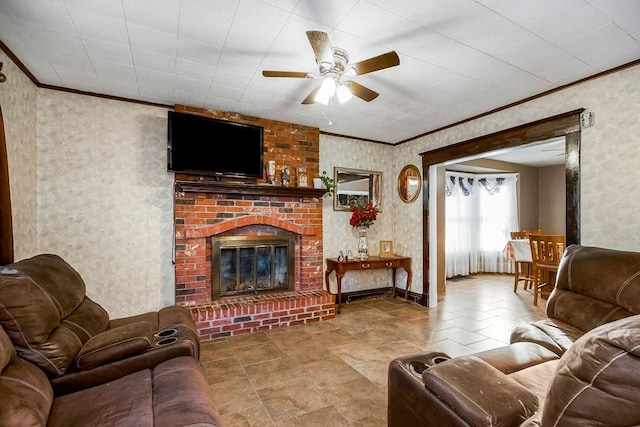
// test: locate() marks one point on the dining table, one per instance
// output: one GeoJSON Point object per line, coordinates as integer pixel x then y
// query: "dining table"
{"type": "Point", "coordinates": [518, 250]}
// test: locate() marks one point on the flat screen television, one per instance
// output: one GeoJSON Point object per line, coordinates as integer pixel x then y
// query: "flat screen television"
{"type": "Point", "coordinates": [205, 146]}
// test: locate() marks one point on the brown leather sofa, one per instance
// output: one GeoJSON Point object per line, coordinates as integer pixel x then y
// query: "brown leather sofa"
{"type": "Point", "coordinates": [173, 393]}
{"type": "Point", "coordinates": [577, 367]}
{"type": "Point", "coordinates": [54, 325]}
{"type": "Point", "coordinates": [594, 286]}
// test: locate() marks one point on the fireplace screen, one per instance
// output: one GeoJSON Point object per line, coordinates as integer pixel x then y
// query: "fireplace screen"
{"type": "Point", "coordinates": [245, 265]}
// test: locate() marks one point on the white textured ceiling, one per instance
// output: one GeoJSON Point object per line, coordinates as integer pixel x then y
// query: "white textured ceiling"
{"type": "Point", "coordinates": [458, 58]}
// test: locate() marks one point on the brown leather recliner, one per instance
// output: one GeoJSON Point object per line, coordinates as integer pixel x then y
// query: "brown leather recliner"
{"type": "Point", "coordinates": [493, 387]}
{"type": "Point", "coordinates": [173, 393]}
{"type": "Point", "coordinates": [595, 382]}
{"type": "Point", "coordinates": [594, 286]}
{"type": "Point", "coordinates": [564, 369]}
{"type": "Point", "coordinates": [53, 324]}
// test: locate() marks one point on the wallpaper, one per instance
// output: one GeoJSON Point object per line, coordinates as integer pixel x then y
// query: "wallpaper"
{"type": "Point", "coordinates": [338, 235]}
{"type": "Point", "coordinates": [609, 158]}
{"type": "Point", "coordinates": [105, 199]}
{"type": "Point", "coordinates": [18, 102]}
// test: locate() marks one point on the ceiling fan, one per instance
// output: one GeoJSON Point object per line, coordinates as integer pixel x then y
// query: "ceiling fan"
{"type": "Point", "coordinates": [338, 73]}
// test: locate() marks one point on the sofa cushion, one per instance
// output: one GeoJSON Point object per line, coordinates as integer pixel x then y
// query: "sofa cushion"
{"type": "Point", "coordinates": [115, 344]}
{"type": "Point", "coordinates": [7, 350]}
{"type": "Point", "coordinates": [182, 395]}
{"type": "Point", "coordinates": [174, 393]}
{"type": "Point", "coordinates": [595, 286]}
{"type": "Point", "coordinates": [516, 357]}
{"type": "Point", "coordinates": [62, 284]}
{"type": "Point", "coordinates": [600, 370]}
{"type": "Point", "coordinates": [87, 320]}
{"type": "Point", "coordinates": [479, 392]}
{"type": "Point", "coordinates": [44, 310]}
{"type": "Point", "coordinates": [164, 318]}
{"type": "Point", "coordinates": [127, 401]}
{"type": "Point", "coordinates": [549, 333]}
{"type": "Point", "coordinates": [26, 394]}
{"type": "Point", "coordinates": [185, 344]}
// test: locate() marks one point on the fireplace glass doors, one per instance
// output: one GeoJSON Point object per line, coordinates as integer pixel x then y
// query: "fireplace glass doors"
{"type": "Point", "coordinates": [251, 264]}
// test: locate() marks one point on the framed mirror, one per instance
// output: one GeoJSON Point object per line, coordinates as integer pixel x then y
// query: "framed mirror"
{"type": "Point", "coordinates": [409, 183]}
{"type": "Point", "coordinates": [352, 184]}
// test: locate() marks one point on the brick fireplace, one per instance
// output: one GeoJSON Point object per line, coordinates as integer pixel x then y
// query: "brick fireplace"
{"type": "Point", "coordinates": [211, 209]}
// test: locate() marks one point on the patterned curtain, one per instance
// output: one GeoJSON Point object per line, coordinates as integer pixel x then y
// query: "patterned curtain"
{"type": "Point", "coordinates": [481, 211]}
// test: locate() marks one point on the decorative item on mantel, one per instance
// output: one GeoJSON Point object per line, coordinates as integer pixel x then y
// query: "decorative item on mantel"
{"type": "Point", "coordinates": [362, 217]}
{"type": "Point", "coordinates": [302, 177]}
{"type": "Point", "coordinates": [324, 181]}
{"type": "Point", "coordinates": [271, 172]}
{"type": "Point", "coordinates": [286, 176]}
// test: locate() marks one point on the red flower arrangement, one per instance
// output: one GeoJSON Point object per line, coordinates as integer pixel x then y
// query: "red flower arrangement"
{"type": "Point", "coordinates": [363, 214]}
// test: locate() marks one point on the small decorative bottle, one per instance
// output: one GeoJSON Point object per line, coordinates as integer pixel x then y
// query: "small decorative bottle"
{"type": "Point", "coordinates": [271, 172]}
{"type": "Point", "coordinates": [286, 176]}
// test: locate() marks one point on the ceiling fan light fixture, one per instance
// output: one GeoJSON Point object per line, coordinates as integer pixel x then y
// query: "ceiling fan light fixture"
{"type": "Point", "coordinates": [327, 90]}
{"type": "Point", "coordinates": [351, 71]}
{"type": "Point", "coordinates": [333, 64]}
{"type": "Point", "coordinates": [344, 94]}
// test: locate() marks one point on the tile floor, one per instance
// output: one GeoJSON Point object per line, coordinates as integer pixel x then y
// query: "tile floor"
{"type": "Point", "coordinates": [335, 372]}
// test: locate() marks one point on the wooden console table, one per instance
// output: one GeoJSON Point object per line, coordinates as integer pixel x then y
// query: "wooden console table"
{"type": "Point", "coordinates": [371, 263]}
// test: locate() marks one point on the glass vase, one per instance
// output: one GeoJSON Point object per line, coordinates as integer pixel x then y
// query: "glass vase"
{"type": "Point", "coordinates": [362, 243]}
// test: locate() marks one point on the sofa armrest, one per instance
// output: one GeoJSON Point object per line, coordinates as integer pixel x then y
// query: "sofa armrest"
{"type": "Point", "coordinates": [480, 393]}
{"type": "Point", "coordinates": [115, 344]}
{"type": "Point", "coordinates": [551, 334]}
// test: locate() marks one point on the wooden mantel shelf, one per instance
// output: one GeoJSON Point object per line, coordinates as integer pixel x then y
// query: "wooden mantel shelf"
{"type": "Point", "coordinates": [249, 189]}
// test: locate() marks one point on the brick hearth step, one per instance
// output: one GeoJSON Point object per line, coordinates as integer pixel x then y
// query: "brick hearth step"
{"type": "Point", "coordinates": [247, 314]}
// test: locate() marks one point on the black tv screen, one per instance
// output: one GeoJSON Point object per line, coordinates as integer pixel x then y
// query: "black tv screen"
{"type": "Point", "coordinates": [205, 146]}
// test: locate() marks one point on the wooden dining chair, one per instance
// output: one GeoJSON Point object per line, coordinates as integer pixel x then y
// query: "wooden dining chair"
{"type": "Point", "coordinates": [546, 253]}
{"type": "Point", "coordinates": [523, 269]}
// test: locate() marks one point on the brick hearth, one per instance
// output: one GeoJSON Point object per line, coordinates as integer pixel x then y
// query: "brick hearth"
{"type": "Point", "coordinates": [232, 316]}
{"type": "Point", "coordinates": [198, 216]}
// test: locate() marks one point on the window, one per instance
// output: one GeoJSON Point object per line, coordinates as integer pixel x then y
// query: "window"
{"type": "Point", "coordinates": [481, 211]}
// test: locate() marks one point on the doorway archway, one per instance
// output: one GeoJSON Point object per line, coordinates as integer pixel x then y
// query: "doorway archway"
{"type": "Point", "coordinates": [567, 125]}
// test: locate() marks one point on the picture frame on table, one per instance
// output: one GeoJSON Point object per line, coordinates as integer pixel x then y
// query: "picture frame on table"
{"type": "Point", "coordinates": [386, 248]}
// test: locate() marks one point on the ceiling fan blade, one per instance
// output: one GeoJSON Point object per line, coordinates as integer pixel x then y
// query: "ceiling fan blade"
{"type": "Point", "coordinates": [311, 98]}
{"type": "Point", "coordinates": [362, 92]}
{"type": "Point", "coordinates": [294, 74]}
{"type": "Point", "coordinates": [321, 48]}
{"type": "Point", "coordinates": [380, 62]}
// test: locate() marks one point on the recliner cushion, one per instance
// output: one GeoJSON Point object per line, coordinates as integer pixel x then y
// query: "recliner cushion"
{"type": "Point", "coordinates": [45, 312]}
{"type": "Point", "coordinates": [25, 392]}
{"type": "Point", "coordinates": [86, 321]}
{"type": "Point", "coordinates": [595, 286]}
{"type": "Point", "coordinates": [127, 401]}
{"type": "Point", "coordinates": [597, 379]}
{"type": "Point", "coordinates": [549, 333]}
{"type": "Point", "coordinates": [115, 344]}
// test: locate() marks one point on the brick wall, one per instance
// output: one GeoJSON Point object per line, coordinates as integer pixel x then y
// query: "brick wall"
{"type": "Point", "coordinates": [198, 216]}
{"type": "Point", "coordinates": [287, 144]}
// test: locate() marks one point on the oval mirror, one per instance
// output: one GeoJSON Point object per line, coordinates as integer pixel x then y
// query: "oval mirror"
{"type": "Point", "coordinates": [409, 183]}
